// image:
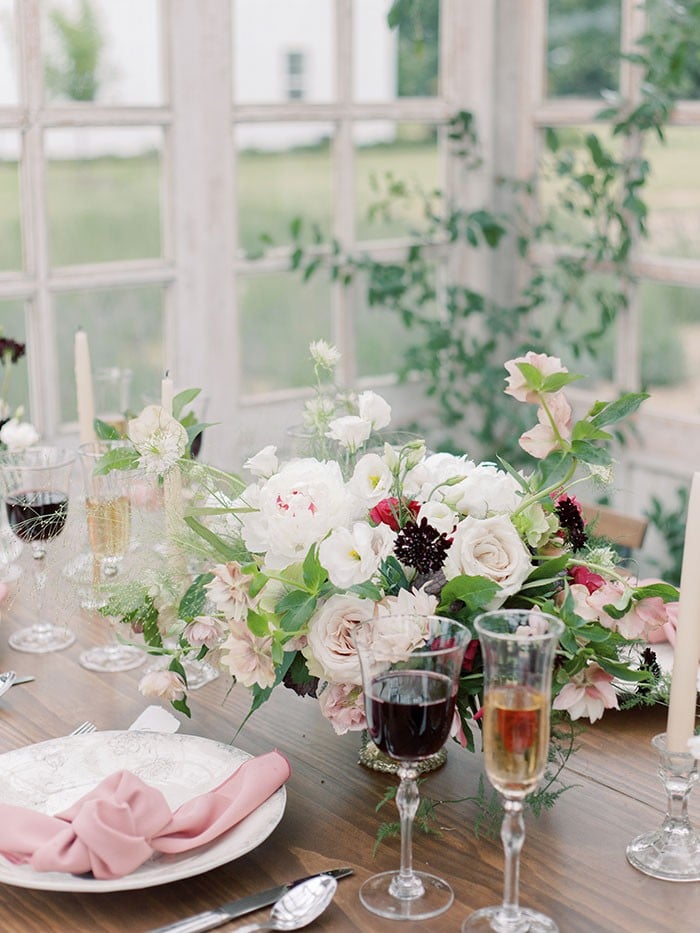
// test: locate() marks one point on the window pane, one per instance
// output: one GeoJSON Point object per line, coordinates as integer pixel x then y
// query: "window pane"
{"type": "Point", "coordinates": [103, 194]}
{"type": "Point", "coordinates": [394, 157]}
{"type": "Point", "coordinates": [280, 316]}
{"type": "Point", "coordinates": [10, 230]}
{"type": "Point", "coordinates": [14, 385]}
{"type": "Point", "coordinates": [670, 333]}
{"type": "Point", "coordinates": [400, 59]}
{"type": "Point", "coordinates": [9, 88]}
{"type": "Point", "coordinates": [116, 321]}
{"type": "Point", "coordinates": [673, 23]}
{"type": "Point", "coordinates": [284, 171]}
{"type": "Point", "coordinates": [583, 47]}
{"type": "Point", "coordinates": [267, 35]}
{"type": "Point", "coordinates": [673, 193]}
{"type": "Point", "coordinates": [102, 51]}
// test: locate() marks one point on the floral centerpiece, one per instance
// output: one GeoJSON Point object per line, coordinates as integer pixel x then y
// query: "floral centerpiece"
{"type": "Point", "coordinates": [288, 563]}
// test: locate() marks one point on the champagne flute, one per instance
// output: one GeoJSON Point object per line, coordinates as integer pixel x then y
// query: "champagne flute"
{"type": "Point", "coordinates": [410, 668]}
{"type": "Point", "coordinates": [108, 512]}
{"type": "Point", "coordinates": [36, 485]}
{"type": "Point", "coordinates": [518, 647]}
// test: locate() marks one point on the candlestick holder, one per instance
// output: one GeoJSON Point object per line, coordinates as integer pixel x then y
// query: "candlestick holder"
{"type": "Point", "coordinates": [672, 852]}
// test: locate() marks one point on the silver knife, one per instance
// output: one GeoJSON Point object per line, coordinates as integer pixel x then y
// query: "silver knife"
{"type": "Point", "coordinates": [23, 680]}
{"type": "Point", "coordinates": [244, 905]}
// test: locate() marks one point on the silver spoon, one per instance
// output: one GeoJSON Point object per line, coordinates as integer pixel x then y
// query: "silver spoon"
{"type": "Point", "coordinates": [6, 681]}
{"type": "Point", "coordinates": [299, 906]}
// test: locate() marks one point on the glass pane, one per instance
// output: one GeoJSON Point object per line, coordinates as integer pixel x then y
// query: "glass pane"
{"type": "Point", "coordinates": [397, 167]}
{"type": "Point", "coordinates": [670, 334]}
{"type": "Point", "coordinates": [116, 321]}
{"type": "Point", "coordinates": [674, 24]}
{"type": "Point", "coordinates": [382, 338]}
{"type": "Point", "coordinates": [102, 51]}
{"type": "Point", "coordinates": [10, 229]}
{"type": "Point", "coordinates": [103, 194]}
{"type": "Point", "coordinates": [284, 171]}
{"type": "Point", "coordinates": [14, 383]}
{"type": "Point", "coordinates": [9, 87]}
{"type": "Point", "coordinates": [283, 51]}
{"type": "Point", "coordinates": [280, 316]}
{"type": "Point", "coordinates": [396, 49]}
{"type": "Point", "coordinates": [583, 47]}
{"type": "Point", "coordinates": [673, 193]}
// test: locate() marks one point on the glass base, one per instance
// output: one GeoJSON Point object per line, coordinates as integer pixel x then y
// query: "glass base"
{"type": "Point", "coordinates": [665, 855]}
{"type": "Point", "coordinates": [495, 920]}
{"type": "Point", "coordinates": [435, 897]}
{"type": "Point", "coordinates": [41, 639]}
{"type": "Point", "coordinates": [374, 758]}
{"type": "Point", "coordinates": [112, 658]}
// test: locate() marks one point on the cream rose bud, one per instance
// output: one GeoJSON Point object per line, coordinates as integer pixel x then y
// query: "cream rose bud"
{"type": "Point", "coordinates": [352, 556]}
{"type": "Point", "coordinates": [18, 435]}
{"type": "Point", "coordinates": [264, 463]}
{"type": "Point", "coordinates": [349, 431]}
{"type": "Point", "coordinates": [330, 651]}
{"type": "Point", "coordinates": [373, 408]}
{"type": "Point", "coordinates": [168, 685]}
{"type": "Point", "coordinates": [491, 548]}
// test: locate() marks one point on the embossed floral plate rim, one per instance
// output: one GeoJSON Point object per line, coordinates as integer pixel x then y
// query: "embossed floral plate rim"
{"type": "Point", "coordinates": [51, 775]}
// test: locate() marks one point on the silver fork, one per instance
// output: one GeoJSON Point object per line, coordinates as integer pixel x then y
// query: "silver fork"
{"type": "Point", "coordinates": [84, 728]}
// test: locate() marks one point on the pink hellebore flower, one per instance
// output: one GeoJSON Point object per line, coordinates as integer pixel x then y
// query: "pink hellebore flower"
{"type": "Point", "coordinates": [517, 384]}
{"type": "Point", "coordinates": [167, 685]}
{"type": "Point", "coordinates": [589, 693]}
{"type": "Point", "coordinates": [204, 630]}
{"type": "Point", "coordinates": [343, 706]}
{"type": "Point", "coordinates": [541, 440]}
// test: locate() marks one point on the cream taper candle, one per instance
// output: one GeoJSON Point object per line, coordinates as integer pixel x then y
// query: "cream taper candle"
{"type": "Point", "coordinates": [167, 392]}
{"type": "Point", "coordinates": [683, 698]}
{"type": "Point", "coordinates": [83, 388]}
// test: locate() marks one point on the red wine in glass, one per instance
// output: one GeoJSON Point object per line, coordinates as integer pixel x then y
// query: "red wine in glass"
{"type": "Point", "coordinates": [410, 713]}
{"type": "Point", "coordinates": [37, 514]}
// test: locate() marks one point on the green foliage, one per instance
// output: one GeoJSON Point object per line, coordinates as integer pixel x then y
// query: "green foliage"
{"type": "Point", "coordinates": [75, 75]}
{"type": "Point", "coordinates": [418, 24]}
{"type": "Point", "coordinates": [670, 522]}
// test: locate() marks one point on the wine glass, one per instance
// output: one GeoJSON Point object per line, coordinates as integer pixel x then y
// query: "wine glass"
{"type": "Point", "coordinates": [36, 485]}
{"type": "Point", "coordinates": [108, 511]}
{"type": "Point", "coordinates": [410, 668]}
{"type": "Point", "coordinates": [518, 647]}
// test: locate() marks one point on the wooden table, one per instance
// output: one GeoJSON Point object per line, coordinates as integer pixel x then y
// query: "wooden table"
{"type": "Point", "coordinates": [573, 866]}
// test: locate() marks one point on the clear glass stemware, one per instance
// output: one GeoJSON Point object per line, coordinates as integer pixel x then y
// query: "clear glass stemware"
{"type": "Point", "coordinates": [518, 647]}
{"type": "Point", "coordinates": [410, 676]}
{"type": "Point", "coordinates": [36, 484]}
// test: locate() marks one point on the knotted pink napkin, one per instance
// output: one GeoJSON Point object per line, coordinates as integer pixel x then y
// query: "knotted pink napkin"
{"type": "Point", "coordinates": [118, 825]}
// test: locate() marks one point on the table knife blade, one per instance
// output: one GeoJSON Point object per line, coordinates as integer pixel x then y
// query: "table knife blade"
{"type": "Point", "coordinates": [209, 919]}
{"type": "Point", "coordinates": [23, 679]}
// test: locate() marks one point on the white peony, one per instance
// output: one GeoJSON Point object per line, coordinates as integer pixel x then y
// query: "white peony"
{"type": "Point", "coordinates": [375, 409]}
{"type": "Point", "coordinates": [330, 651]}
{"type": "Point", "coordinates": [352, 556]}
{"type": "Point", "coordinates": [18, 435]}
{"type": "Point", "coordinates": [371, 480]}
{"type": "Point", "coordinates": [491, 548]}
{"type": "Point", "coordinates": [159, 438]}
{"type": "Point", "coordinates": [294, 509]}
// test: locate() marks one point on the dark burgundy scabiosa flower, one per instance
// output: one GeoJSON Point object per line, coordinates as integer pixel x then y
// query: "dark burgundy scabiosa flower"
{"type": "Point", "coordinates": [422, 546]}
{"type": "Point", "coordinates": [571, 521]}
{"type": "Point", "coordinates": [11, 350]}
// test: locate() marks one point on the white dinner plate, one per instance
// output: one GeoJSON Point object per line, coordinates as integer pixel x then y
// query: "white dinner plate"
{"type": "Point", "coordinates": [52, 775]}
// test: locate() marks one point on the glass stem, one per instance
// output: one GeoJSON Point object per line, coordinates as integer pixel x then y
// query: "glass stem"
{"type": "Point", "coordinates": [512, 837]}
{"type": "Point", "coordinates": [406, 884]}
{"type": "Point", "coordinates": [38, 555]}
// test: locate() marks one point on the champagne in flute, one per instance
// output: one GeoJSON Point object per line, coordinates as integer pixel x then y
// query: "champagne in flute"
{"type": "Point", "coordinates": [516, 738]}
{"type": "Point", "coordinates": [109, 526]}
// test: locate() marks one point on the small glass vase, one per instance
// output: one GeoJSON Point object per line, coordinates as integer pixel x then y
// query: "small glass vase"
{"type": "Point", "coordinates": [672, 852]}
{"type": "Point", "coordinates": [373, 758]}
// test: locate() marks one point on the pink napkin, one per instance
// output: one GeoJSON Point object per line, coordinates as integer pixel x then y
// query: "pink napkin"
{"type": "Point", "coordinates": [118, 825]}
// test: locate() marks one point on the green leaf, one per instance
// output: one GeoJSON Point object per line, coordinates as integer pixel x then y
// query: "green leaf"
{"type": "Point", "coordinates": [184, 398]}
{"type": "Point", "coordinates": [621, 408]}
{"type": "Point", "coordinates": [665, 591]}
{"type": "Point", "coordinates": [314, 574]}
{"type": "Point", "coordinates": [119, 458]}
{"type": "Point", "coordinates": [182, 707]}
{"type": "Point", "coordinates": [295, 609]}
{"type": "Point", "coordinates": [195, 597]}
{"type": "Point", "coordinates": [104, 431]}
{"type": "Point", "coordinates": [475, 592]}
{"type": "Point", "coordinates": [258, 624]}
{"type": "Point", "coordinates": [591, 454]}
{"type": "Point", "coordinates": [224, 550]}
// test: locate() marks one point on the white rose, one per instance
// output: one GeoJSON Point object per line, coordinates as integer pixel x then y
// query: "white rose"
{"type": "Point", "coordinates": [371, 480]}
{"type": "Point", "coordinates": [294, 509]}
{"type": "Point", "coordinates": [330, 652]}
{"type": "Point", "coordinates": [264, 463]}
{"type": "Point", "coordinates": [349, 431]}
{"type": "Point", "coordinates": [18, 435]}
{"type": "Point", "coordinates": [491, 548]}
{"type": "Point", "coordinates": [373, 408]}
{"type": "Point", "coordinates": [353, 556]}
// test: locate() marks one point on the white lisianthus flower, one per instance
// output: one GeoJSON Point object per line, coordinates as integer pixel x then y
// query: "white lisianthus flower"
{"type": "Point", "coordinates": [324, 354]}
{"type": "Point", "coordinates": [294, 509]}
{"type": "Point", "coordinates": [330, 652]}
{"type": "Point", "coordinates": [371, 480]}
{"type": "Point", "coordinates": [375, 409]}
{"type": "Point", "coordinates": [349, 431]}
{"type": "Point", "coordinates": [264, 463]}
{"type": "Point", "coordinates": [353, 556]}
{"type": "Point", "coordinates": [491, 548]}
{"type": "Point", "coordinates": [159, 438]}
{"type": "Point", "coordinates": [439, 516]}
{"type": "Point", "coordinates": [18, 435]}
